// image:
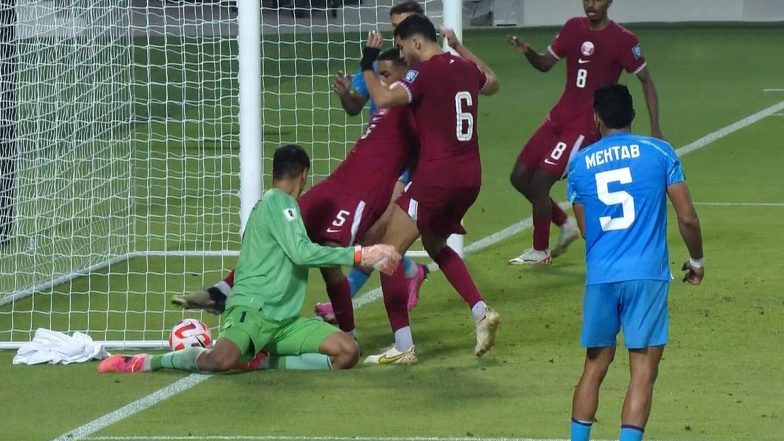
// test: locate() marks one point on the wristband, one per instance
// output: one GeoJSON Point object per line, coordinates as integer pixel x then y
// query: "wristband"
{"type": "Point", "coordinates": [369, 55]}
{"type": "Point", "coordinates": [697, 263]}
{"type": "Point", "coordinates": [357, 255]}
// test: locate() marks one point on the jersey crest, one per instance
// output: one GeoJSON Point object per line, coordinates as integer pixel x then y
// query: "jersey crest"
{"type": "Point", "coordinates": [410, 76]}
{"type": "Point", "coordinates": [637, 52]}
{"type": "Point", "coordinates": [290, 214]}
{"type": "Point", "coordinates": [587, 48]}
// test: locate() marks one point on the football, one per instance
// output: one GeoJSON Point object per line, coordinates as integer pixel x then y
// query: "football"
{"type": "Point", "coordinates": [190, 333]}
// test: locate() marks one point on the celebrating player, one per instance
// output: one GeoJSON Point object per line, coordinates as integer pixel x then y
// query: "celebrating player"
{"type": "Point", "coordinates": [618, 188]}
{"type": "Point", "coordinates": [596, 50]}
{"type": "Point", "coordinates": [272, 273]}
{"type": "Point", "coordinates": [442, 90]}
{"type": "Point", "coordinates": [340, 209]}
{"type": "Point", "coordinates": [353, 96]}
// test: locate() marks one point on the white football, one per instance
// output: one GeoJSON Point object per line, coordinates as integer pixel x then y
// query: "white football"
{"type": "Point", "coordinates": [190, 333]}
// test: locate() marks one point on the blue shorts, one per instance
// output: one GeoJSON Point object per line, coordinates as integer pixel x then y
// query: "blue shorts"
{"type": "Point", "coordinates": [639, 307]}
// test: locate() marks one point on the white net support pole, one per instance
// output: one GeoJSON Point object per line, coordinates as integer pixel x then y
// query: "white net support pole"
{"type": "Point", "coordinates": [453, 18]}
{"type": "Point", "coordinates": [249, 57]}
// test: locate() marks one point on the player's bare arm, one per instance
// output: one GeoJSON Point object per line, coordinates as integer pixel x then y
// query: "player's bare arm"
{"type": "Point", "coordinates": [383, 96]}
{"type": "Point", "coordinates": [352, 102]}
{"type": "Point", "coordinates": [492, 85]}
{"type": "Point", "coordinates": [541, 62]}
{"type": "Point", "coordinates": [651, 100]}
{"type": "Point", "coordinates": [579, 214]}
{"type": "Point", "coordinates": [689, 227]}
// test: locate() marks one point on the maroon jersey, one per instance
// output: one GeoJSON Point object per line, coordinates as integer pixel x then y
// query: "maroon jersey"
{"type": "Point", "coordinates": [593, 59]}
{"type": "Point", "coordinates": [372, 167]}
{"type": "Point", "coordinates": [443, 93]}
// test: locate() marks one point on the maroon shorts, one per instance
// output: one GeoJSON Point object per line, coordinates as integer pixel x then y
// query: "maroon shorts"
{"type": "Point", "coordinates": [550, 149]}
{"type": "Point", "coordinates": [437, 210]}
{"type": "Point", "coordinates": [333, 216]}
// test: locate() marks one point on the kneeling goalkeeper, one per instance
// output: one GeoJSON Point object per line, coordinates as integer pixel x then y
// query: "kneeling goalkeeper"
{"type": "Point", "coordinates": [263, 313]}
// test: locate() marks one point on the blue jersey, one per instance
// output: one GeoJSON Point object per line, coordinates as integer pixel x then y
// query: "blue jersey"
{"type": "Point", "coordinates": [358, 84]}
{"type": "Point", "coordinates": [621, 181]}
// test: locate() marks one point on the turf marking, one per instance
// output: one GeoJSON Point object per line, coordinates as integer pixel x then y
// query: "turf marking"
{"type": "Point", "coordinates": [773, 90]}
{"type": "Point", "coordinates": [740, 204]}
{"type": "Point", "coordinates": [372, 295]}
{"type": "Point", "coordinates": [134, 407]}
{"type": "Point", "coordinates": [306, 438]}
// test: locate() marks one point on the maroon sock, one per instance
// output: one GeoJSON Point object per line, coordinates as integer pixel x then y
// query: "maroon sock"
{"type": "Point", "coordinates": [559, 216]}
{"type": "Point", "coordinates": [541, 233]}
{"type": "Point", "coordinates": [340, 297]}
{"type": "Point", "coordinates": [456, 273]}
{"type": "Point", "coordinates": [395, 288]}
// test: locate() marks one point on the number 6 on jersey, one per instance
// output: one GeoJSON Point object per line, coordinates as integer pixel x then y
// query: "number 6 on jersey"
{"type": "Point", "coordinates": [465, 121]}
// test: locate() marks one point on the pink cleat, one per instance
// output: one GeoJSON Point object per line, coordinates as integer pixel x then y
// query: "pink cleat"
{"type": "Point", "coordinates": [326, 313]}
{"type": "Point", "coordinates": [128, 364]}
{"type": "Point", "coordinates": [414, 284]}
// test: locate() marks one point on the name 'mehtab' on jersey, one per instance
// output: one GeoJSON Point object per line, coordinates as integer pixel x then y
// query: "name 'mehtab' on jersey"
{"type": "Point", "coordinates": [379, 156]}
{"type": "Point", "coordinates": [443, 93]}
{"type": "Point", "coordinates": [593, 59]}
{"type": "Point", "coordinates": [621, 181]}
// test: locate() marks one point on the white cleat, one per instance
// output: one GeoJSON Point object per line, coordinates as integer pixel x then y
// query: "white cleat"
{"type": "Point", "coordinates": [486, 328]}
{"type": "Point", "coordinates": [569, 233]}
{"type": "Point", "coordinates": [532, 257]}
{"type": "Point", "coordinates": [393, 356]}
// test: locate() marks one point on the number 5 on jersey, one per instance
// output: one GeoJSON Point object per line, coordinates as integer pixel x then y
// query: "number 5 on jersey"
{"type": "Point", "coordinates": [622, 198]}
{"type": "Point", "coordinates": [340, 219]}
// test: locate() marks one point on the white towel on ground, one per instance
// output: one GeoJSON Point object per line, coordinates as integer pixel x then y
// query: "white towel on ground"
{"type": "Point", "coordinates": [57, 348]}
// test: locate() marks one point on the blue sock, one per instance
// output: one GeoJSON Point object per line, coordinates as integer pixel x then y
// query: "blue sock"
{"type": "Point", "coordinates": [631, 433]}
{"type": "Point", "coordinates": [356, 279]}
{"type": "Point", "coordinates": [581, 431]}
{"type": "Point", "coordinates": [409, 267]}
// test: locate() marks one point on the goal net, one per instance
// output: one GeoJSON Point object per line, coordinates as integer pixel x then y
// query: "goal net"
{"type": "Point", "coordinates": [119, 155]}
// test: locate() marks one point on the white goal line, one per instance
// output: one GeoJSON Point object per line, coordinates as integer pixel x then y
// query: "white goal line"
{"type": "Point", "coordinates": [305, 438]}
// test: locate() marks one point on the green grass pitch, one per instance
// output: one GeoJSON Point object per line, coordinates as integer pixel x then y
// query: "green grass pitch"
{"type": "Point", "coordinates": [721, 376]}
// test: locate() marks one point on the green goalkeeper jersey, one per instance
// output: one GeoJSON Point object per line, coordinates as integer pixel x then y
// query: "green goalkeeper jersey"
{"type": "Point", "coordinates": [275, 255]}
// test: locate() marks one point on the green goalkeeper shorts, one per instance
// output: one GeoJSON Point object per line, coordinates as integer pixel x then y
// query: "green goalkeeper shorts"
{"type": "Point", "coordinates": [252, 332]}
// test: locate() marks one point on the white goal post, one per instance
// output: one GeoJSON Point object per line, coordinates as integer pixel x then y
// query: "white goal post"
{"type": "Point", "coordinates": [136, 136]}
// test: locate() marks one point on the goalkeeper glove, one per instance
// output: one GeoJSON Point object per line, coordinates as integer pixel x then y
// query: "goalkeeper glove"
{"type": "Point", "coordinates": [381, 257]}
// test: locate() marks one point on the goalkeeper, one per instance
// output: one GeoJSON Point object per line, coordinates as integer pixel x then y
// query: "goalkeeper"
{"type": "Point", "coordinates": [271, 277]}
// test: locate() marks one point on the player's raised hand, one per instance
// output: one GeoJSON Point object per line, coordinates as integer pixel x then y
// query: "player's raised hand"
{"type": "Point", "coordinates": [375, 40]}
{"type": "Point", "coordinates": [384, 258]}
{"type": "Point", "coordinates": [451, 38]}
{"type": "Point", "coordinates": [519, 45]}
{"type": "Point", "coordinates": [693, 274]}
{"type": "Point", "coordinates": [371, 50]}
{"type": "Point", "coordinates": [342, 83]}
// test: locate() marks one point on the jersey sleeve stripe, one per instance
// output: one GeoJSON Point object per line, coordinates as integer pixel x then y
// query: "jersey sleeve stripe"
{"type": "Point", "coordinates": [403, 85]}
{"type": "Point", "coordinates": [639, 69]}
{"type": "Point", "coordinates": [552, 52]}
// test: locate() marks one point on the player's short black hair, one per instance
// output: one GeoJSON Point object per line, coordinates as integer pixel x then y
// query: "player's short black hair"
{"type": "Point", "coordinates": [416, 24]}
{"type": "Point", "coordinates": [289, 161]}
{"type": "Point", "coordinates": [392, 55]}
{"type": "Point", "coordinates": [410, 6]}
{"type": "Point", "coordinates": [614, 106]}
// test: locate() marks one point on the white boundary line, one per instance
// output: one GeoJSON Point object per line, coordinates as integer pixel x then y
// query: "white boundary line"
{"type": "Point", "coordinates": [305, 438]}
{"type": "Point", "coordinates": [133, 408]}
{"type": "Point", "coordinates": [773, 90]}
{"type": "Point", "coordinates": [194, 379]}
{"type": "Point", "coordinates": [734, 127]}
{"type": "Point", "coordinates": [740, 204]}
